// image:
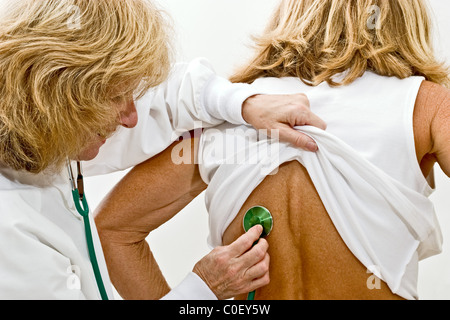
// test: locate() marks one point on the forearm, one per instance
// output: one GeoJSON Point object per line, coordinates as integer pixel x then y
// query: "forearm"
{"type": "Point", "coordinates": [147, 197]}
{"type": "Point", "coordinates": [133, 268]}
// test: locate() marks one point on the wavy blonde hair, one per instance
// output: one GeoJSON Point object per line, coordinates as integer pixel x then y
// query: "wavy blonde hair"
{"type": "Point", "coordinates": [64, 64]}
{"type": "Point", "coordinates": [316, 39]}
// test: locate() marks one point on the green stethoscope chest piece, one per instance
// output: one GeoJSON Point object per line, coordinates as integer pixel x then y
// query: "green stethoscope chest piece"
{"type": "Point", "coordinates": [258, 215]}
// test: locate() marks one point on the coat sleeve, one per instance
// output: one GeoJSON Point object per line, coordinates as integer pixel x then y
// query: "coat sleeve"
{"type": "Point", "coordinates": [193, 97]}
{"type": "Point", "coordinates": [191, 288]}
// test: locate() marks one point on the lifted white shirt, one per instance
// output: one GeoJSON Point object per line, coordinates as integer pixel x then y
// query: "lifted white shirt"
{"type": "Point", "coordinates": [365, 171]}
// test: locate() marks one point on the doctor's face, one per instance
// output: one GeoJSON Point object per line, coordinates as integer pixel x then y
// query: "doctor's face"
{"type": "Point", "coordinates": [128, 118]}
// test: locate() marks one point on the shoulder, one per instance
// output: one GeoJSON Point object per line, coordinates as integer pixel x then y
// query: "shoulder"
{"type": "Point", "coordinates": [433, 104]}
{"type": "Point", "coordinates": [432, 121]}
{"type": "Point", "coordinates": [433, 95]}
{"type": "Point", "coordinates": [433, 100]}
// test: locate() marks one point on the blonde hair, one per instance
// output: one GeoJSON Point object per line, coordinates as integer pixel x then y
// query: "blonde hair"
{"type": "Point", "coordinates": [316, 39]}
{"type": "Point", "coordinates": [64, 64]}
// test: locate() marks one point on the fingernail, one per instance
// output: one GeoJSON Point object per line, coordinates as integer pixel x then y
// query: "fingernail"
{"type": "Point", "coordinates": [311, 146]}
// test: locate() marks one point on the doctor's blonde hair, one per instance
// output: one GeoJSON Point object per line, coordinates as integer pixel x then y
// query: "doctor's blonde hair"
{"type": "Point", "coordinates": [64, 64]}
{"type": "Point", "coordinates": [316, 39]}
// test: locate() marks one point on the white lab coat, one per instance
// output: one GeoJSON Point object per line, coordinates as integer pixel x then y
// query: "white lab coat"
{"type": "Point", "coordinates": [43, 251]}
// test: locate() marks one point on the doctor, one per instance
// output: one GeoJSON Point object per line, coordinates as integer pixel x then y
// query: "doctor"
{"type": "Point", "coordinates": [71, 73]}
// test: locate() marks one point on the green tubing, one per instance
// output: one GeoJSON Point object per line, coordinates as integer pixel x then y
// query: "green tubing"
{"type": "Point", "coordinates": [93, 257]}
{"type": "Point", "coordinates": [83, 209]}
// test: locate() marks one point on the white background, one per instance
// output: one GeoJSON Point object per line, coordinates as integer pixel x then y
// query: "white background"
{"type": "Point", "coordinates": [220, 30]}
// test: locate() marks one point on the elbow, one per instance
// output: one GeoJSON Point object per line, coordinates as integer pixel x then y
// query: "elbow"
{"type": "Point", "coordinates": [114, 232]}
{"type": "Point", "coordinates": [104, 229]}
{"type": "Point", "coordinates": [103, 220]}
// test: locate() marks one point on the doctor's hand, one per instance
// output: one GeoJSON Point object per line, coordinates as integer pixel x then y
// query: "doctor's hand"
{"type": "Point", "coordinates": [282, 113]}
{"type": "Point", "coordinates": [237, 268]}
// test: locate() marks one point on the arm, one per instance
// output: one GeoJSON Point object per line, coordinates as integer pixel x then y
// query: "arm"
{"type": "Point", "coordinates": [436, 99]}
{"type": "Point", "coordinates": [141, 202]}
{"type": "Point", "coordinates": [148, 196]}
{"type": "Point", "coordinates": [195, 97]}
{"type": "Point", "coordinates": [441, 132]}
{"type": "Point", "coordinates": [169, 110]}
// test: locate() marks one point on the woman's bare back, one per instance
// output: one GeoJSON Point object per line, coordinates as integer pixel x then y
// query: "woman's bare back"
{"type": "Point", "coordinates": [309, 260]}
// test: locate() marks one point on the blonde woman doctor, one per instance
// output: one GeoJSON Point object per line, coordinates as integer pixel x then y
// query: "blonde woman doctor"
{"type": "Point", "coordinates": [71, 73]}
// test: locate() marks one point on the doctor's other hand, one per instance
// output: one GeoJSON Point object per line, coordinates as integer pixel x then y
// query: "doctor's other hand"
{"type": "Point", "coordinates": [237, 268]}
{"type": "Point", "coordinates": [283, 113]}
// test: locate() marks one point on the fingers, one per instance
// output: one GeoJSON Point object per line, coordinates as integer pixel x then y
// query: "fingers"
{"type": "Point", "coordinates": [283, 113]}
{"type": "Point", "coordinates": [296, 138]}
{"type": "Point", "coordinates": [299, 114]}
{"type": "Point", "coordinates": [257, 261]}
{"type": "Point", "coordinates": [310, 119]}
{"type": "Point", "coordinates": [317, 122]}
{"type": "Point", "coordinates": [237, 268]}
{"type": "Point", "coordinates": [260, 274]}
{"type": "Point", "coordinates": [245, 242]}
{"type": "Point", "coordinates": [254, 262]}
{"type": "Point", "coordinates": [256, 254]}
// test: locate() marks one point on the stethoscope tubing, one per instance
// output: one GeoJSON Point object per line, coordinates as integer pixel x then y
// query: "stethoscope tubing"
{"type": "Point", "coordinates": [83, 209]}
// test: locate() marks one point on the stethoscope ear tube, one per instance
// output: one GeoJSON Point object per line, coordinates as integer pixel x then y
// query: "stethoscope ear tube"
{"type": "Point", "coordinates": [81, 205]}
{"type": "Point", "coordinates": [83, 209]}
{"type": "Point", "coordinates": [93, 258]}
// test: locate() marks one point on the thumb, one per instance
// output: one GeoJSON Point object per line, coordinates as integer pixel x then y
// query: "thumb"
{"type": "Point", "coordinates": [245, 242]}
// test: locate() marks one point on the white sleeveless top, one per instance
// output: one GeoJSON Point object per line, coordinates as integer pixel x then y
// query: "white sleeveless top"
{"type": "Point", "coordinates": [365, 171]}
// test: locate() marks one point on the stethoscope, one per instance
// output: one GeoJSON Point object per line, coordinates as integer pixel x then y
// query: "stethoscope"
{"type": "Point", "coordinates": [83, 209]}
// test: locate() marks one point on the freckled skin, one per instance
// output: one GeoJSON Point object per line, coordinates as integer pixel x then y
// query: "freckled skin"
{"type": "Point", "coordinates": [307, 256]}
{"type": "Point", "coordinates": [309, 260]}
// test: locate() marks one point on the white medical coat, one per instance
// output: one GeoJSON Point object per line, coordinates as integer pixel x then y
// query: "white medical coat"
{"type": "Point", "coordinates": [43, 251]}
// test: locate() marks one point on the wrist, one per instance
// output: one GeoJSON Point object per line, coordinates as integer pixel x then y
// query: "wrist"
{"type": "Point", "coordinates": [247, 107]}
{"type": "Point", "coordinates": [197, 271]}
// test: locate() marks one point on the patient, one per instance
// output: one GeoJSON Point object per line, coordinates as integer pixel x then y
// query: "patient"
{"type": "Point", "coordinates": [356, 209]}
{"type": "Point", "coordinates": [359, 205]}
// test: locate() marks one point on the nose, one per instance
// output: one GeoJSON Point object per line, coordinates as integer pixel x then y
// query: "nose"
{"type": "Point", "coordinates": [129, 117]}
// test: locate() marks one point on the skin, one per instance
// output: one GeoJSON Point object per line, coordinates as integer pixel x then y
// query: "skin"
{"type": "Point", "coordinates": [278, 112]}
{"type": "Point", "coordinates": [309, 259]}
{"type": "Point", "coordinates": [301, 246]}
{"type": "Point", "coordinates": [229, 270]}
{"type": "Point", "coordinates": [133, 269]}
{"type": "Point", "coordinates": [293, 110]}
{"type": "Point", "coordinates": [128, 118]}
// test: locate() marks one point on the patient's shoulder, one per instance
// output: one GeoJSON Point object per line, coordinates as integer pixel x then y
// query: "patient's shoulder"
{"type": "Point", "coordinates": [431, 99]}
{"type": "Point", "coordinates": [433, 104]}
{"type": "Point", "coordinates": [433, 94]}
{"type": "Point", "coordinates": [432, 122]}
